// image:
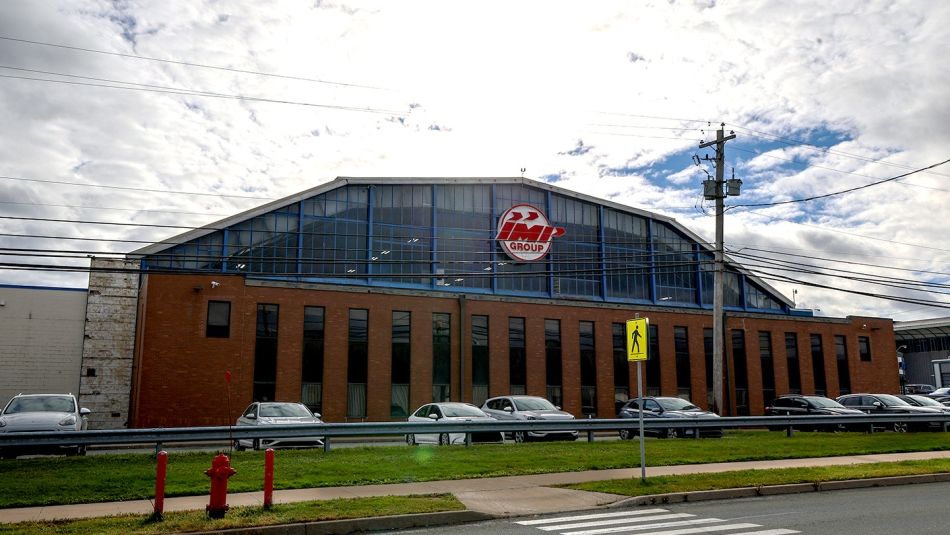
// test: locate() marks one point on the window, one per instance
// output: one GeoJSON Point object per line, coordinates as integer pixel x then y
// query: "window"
{"type": "Point", "coordinates": [740, 372]}
{"type": "Point", "coordinates": [517, 357]}
{"type": "Point", "coordinates": [441, 357]}
{"type": "Point", "coordinates": [683, 373]}
{"type": "Point", "coordinates": [621, 366]}
{"type": "Point", "coordinates": [818, 364]}
{"type": "Point", "coordinates": [311, 379]}
{"type": "Point", "coordinates": [400, 364]}
{"type": "Point", "coordinates": [767, 366]}
{"type": "Point", "coordinates": [588, 368]}
{"type": "Point", "coordinates": [357, 363]}
{"type": "Point", "coordinates": [626, 255]}
{"type": "Point", "coordinates": [864, 348]}
{"type": "Point", "coordinates": [480, 360]}
{"type": "Point", "coordinates": [653, 363]}
{"type": "Point", "coordinates": [791, 359]}
{"type": "Point", "coordinates": [552, 357]}
{"type": "Point", "coordinates": [265, 354]}
{"type": "Point", "coordinates": [844, 373]}
{"type": "Point", "coordinates": [219, 319]}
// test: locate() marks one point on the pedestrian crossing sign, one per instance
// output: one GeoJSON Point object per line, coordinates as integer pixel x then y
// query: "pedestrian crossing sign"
{"type": "Point", "coordinates": [637, 339]}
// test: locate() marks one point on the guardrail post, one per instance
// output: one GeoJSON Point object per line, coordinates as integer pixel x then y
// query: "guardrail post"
{"type": "Point", "coordinates": [326, 444]}
{"type": "Point", "coordinates": [789, 431]}
{"type": "Point", "coordinates": [468, 439]}
{"type": "Point", "coordinates": [590, 432]}
{"type": "Point", "coordinates": [158, 448]}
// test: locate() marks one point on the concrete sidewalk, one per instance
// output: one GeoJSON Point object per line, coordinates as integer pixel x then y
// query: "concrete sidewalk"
{"type": "Point", "coordinates": [497, 497]}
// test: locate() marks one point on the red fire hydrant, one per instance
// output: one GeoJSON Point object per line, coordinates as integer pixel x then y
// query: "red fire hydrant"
{"type": "Point", "coordinates": [219, 473]}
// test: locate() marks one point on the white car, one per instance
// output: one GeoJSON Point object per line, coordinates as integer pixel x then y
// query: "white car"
{"type": "Point", "coordinates": [43, 412]}
{"type": "Point", "coordinates": [278, 413]}
{"type": "Point", "coordinates": [529, 408]}
{"type": "Point", "coordinates": [450, 412]}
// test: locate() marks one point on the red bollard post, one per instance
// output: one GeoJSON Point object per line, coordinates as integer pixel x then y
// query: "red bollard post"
{"type": "Point", "coordinates": [219, 473]}
{"type": "Point", "coordinates": [268, 478]}
{"type": "Point", "coordinates": [161, 469]}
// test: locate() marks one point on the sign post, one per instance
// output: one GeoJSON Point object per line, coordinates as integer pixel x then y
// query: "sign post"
{"type": "Point", "coordinates": [637, 343]}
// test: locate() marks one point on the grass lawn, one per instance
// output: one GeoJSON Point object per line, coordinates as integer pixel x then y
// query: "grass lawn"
{"type": "Point", "coordinates": [61, 480]}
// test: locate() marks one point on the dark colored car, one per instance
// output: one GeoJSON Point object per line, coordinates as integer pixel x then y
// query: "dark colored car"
{"type": "Point", "coordinates": [940, 392]}
{"type": "Point", "coordinates": [917, 388]}
{"type": "Point", "coordinates": [924, 401]}
{"type": "Point", "coordinates": [888, 404]}
{"type": "Point", "coordinates": [804, 405]}
{"type": "Point", "coordinates": [664, 407]}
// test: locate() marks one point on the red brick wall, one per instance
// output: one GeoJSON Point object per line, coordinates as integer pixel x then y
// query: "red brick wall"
{"type": "Point", "coordinates": [180, 372]}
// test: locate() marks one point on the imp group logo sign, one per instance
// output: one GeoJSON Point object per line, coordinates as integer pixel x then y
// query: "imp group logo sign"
{"type": "Point", "coordinates": [525, 233]}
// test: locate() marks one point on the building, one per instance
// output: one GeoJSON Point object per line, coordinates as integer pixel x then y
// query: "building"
{"type": "Point", "coordinates": [41, 339]}
{"type": "Point", "coordinates": [924, 347]}
{"type": "Point", "coordinates": [367, 297]}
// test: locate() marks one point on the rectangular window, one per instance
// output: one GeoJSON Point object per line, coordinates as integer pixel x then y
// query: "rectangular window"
{"type": "Point", "coordinates": [517, 356]}
{"type": "Point", "coordinates": [653, 380]}
{"type": "Point", "coordinates": [864, 348]}
{"type": "Point", "coordinates": [265, 353]}
{"type": "Point", "coordinates": [400, 364]}
{"type": "Point", "coordinates": [683, 372]}
{"type": "Point", "coordinates": [219, 319]}
{"type": "Point", "coordinates": [311, 379]}
{"type": "Point", "coordinates": [552, 359]}
{"type": "Point", "coordinates": [791, 358]}
{"type": "Point", "coordinates": [818, 365]}
{"type": "Point", "coordinates": [621, 366]}
{"type": "Point", "coordinates": [844, 373]}
{"type": "Point", "coordinates": [740, 372]}
{"type": "Point", "coordinates": [588, 368]}
{"type": "Point", "coordinates": [441, 357]}
{"type": "Point", "coordinates": [480, 360]}
{"type": "Point", "coordinates": [357, 363]}
{"type": "Point", "coordinates": [767, 366]}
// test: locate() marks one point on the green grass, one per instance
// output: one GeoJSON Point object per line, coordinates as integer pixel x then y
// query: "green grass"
{"type": "Point", "coordinates": [47, 481]}
{"type": "Point", "coordinates": [243, 516]}
{"type": "Point", "coordinates": [761, 478]}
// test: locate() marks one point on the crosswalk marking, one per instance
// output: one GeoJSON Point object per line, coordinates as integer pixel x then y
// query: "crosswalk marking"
{"type": "Point", "coordinates": [628, 520]}
{"type": "Point", "coordinates": [640, 512]}
{"type": "Point", "coordinates": [648, 522]}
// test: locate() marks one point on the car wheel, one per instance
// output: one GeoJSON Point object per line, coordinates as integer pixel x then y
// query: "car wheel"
{"type": "Point", "coordinates": [411, 439]}
{"type": "Point", "coordinates": [256, 444]}
{"type": "Point", "coordinates": [238, 446]}
{"type": "Point", "coordinates": [81, 451]}
{"type": "Point", "coordinates": [626, 434]}
{"type": "Point", "coordinates": [520, 436]}
{"type": "Point", "coordinates": [444, 439]}
{"type": "Point", "coordinates": [900, 427]}
{"type": "Point", "coordinates": [667, 433]}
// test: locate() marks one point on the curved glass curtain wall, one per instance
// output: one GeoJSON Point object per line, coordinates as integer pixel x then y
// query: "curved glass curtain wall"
{"type": "Point", "coordinates": [441, 236]}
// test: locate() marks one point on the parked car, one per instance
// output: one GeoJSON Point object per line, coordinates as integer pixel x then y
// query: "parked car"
{"type": "Point", "coordinates": [917, 388]}
{"type": "Point", "coordinates": [529, 408]}
{"type": "Point", "coordinates": [888, 404]}
{"type": "Point", "coordinates": [667, 407]}
{"type": "Point", "coordinates": [924, 401]}
{"type": "Point", "coordinates": [803, 405]}
{"type": "Point", "coordinates": [940, 392]}
{"type": "Point", "coordinates": [43, 412]}
{"type": "Point", "coordinates": [450, 412]}
{"type": "Point", "coordinates": [278, 413]}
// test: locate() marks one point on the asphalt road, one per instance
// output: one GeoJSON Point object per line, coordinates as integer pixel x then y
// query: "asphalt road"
{"type": "Point", "coordinates": [913, 509]}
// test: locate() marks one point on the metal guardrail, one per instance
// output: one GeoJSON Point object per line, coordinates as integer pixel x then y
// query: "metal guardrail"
{"type": "Point", "coordinates": [158, 436]}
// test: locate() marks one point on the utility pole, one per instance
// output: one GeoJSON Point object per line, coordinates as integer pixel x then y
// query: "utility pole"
{"type": "Point", "coordinates": [713, 189]}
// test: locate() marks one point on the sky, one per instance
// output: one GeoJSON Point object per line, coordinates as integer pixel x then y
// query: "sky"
{"type": "Point", "coordinates": [150, 114]}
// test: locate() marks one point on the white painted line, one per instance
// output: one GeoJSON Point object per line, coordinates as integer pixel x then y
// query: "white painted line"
{"type": "Point", "coordinates": [706, 529]}
{"type": "Point", "coordinates": [590, 517]}
{"type": "Point", "coordinates": [627, 529]}
{"type": "Point", "coordinates": [615, 521]}
{"type": "Point", "coordinates": [769, 532]}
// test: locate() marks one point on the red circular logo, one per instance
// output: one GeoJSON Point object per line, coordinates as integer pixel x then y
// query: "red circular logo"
{"type": "Point", "coordinates": [525, 233]}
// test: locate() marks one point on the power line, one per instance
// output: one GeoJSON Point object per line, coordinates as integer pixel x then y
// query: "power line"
{"type": "Point", "coordinates": [188, 64]}
{"type": "Point", "coordinates": [128, 188]}
{"type": "Point", "coordinates": [842, 191]}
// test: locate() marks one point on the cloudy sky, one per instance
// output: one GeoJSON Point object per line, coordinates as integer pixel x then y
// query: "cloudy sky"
{"type": "Point", "coordinates": [183, 112]}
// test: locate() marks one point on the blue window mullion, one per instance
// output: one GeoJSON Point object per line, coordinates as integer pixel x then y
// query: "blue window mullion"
{"type": "Point", "coordinates": [370, 205]}
{"type": "Point", "coordinates": [602, 237]}
{"type": "Point", "coordinates": [698, 275]}
{"type": "Point", "coordinates": [224, 250]}
{"type": "Point", "coordinates": [493, 246]}
{"type": "Point", "coordinates": [433, 243]}
{"type": "Point", "coordinates": [651, 249]}
{"type": "Point", "coordinates": [549, 262]}
{"type": "Point", "coordinates": [300, 238]}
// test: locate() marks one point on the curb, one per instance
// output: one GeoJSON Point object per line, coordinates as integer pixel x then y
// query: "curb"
{"type": "Point", "coordinates": [774, 490]}
{"type": "Point", "coordinates": [356, 525]}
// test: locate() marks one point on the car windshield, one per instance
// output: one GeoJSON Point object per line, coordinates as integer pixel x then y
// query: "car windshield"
{"type": "Point", "coordinates": [824, 403]}
{"type": "Point", "coordinates": [284, 410]}
{"type": "Point", "coordinates": [534, 404]}
{"type": "Point", "coordinates": [941, 392]}
{"type": "Point", "coordinates": [892, 401]}
{"type": "Point", "coordinates": [675, 404]}
{"type": "Point", "coordinates": [41, 404]}
{"type": "Point", "coordinates": [924, 400]}
{"type": "Point", "coordinates": [461, 411]}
